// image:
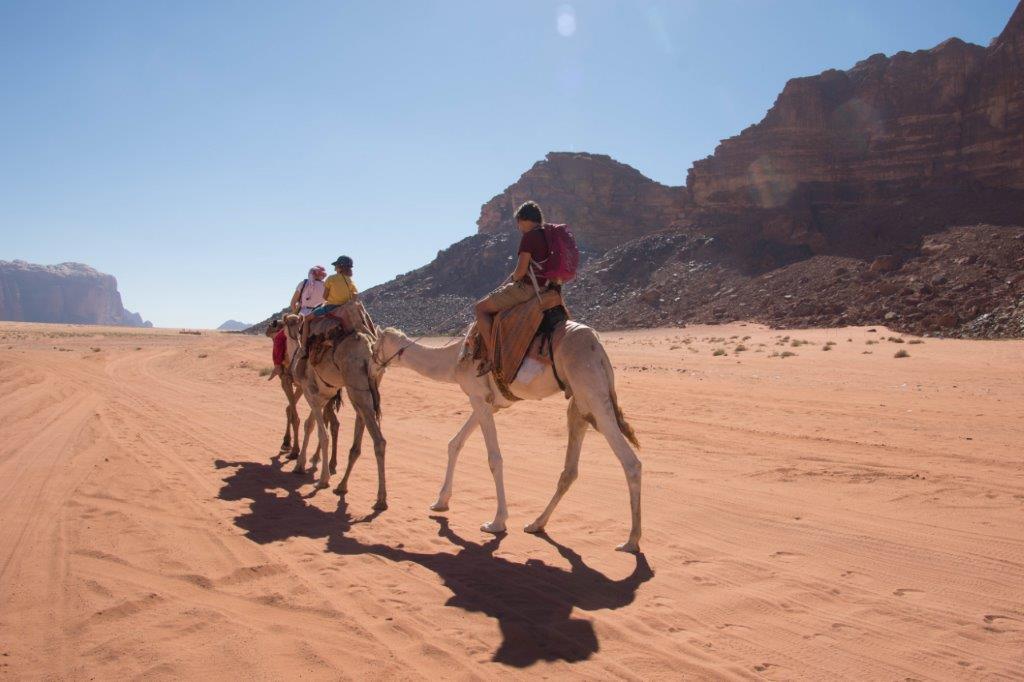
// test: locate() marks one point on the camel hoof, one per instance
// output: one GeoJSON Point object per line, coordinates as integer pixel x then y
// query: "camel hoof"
{"type": "Point", "coordinates": [533, 529]}
{"type": "Point", "coordinates": [322, 484]}
{"type": "Point", "coordinates": [439, 507]}
{"type": "Point", "coordinates": [493, 527]}
{"type": "Point", "coordinates": [292, 455]}
{"type": "Point", "coordinates": [334, 468]}
{"type": "Point", "coordinates": [298, 471]}
{"type": "Point", "coordinates": [341, 490]}
{"type": "Point", "coordinates": [631, 547]}
{"type": "Point", "coordinates": [381, 505]}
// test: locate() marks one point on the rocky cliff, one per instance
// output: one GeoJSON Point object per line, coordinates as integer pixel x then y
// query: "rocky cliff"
{"type": "Point", "coordinates": [70, 293]}
{"type": "Point", "coordinates": [863, 161]}
{"type": "Point", "coordinates": [607, 203]}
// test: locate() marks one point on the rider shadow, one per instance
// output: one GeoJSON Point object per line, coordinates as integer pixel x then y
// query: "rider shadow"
{"type": "Point", "coordinates": [532, 601]}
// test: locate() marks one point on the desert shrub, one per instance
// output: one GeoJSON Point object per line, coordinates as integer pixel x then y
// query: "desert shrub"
{"type": "Point", "coordinates": [203, 355]}
{"type": "Point", "coordinates": [901, 354]}
{"type": "Point", "coordinates": [719, 351]}
{"type": "Point", "coordinates": [786, 354]}
{"type": "Point", "coordinates": [915, 341]}
{"type": "Point", "coordinates": [896, 339]}
{"type": "Point", "coordinates": [266, 371]}
{"type": "Point", "coordinates": [740, 348]}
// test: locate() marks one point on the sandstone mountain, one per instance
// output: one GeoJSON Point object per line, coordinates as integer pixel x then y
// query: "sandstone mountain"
{"type": "Point", "coordinates": [845, 204]}
{"type": "Point", "coordinates": [608, 203]}
{"type": "Point", "coordinates": [70, 293]}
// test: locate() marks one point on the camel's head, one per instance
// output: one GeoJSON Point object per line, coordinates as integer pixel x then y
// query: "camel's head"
{"type": "Point", "coordinates": [273, 328]}
{"type": "Point", "coordinates": [293, 326]}
{"type": "Point", "coordinates": [388, 348]}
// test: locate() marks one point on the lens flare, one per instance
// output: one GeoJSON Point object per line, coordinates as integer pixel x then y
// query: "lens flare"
{"type": "Point", "coordinates": [566, 22]}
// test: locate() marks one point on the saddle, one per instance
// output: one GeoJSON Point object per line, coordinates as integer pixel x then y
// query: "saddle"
{"type": "Point", "coordinates": [522, 331]}
{"type": "Point", "coordinates": [330, 330]}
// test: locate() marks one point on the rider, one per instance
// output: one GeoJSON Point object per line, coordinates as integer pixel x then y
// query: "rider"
{"type": "Point", "coordinates": [310, 292]}
{"type": "Point", "coordinates": [338, 290]}
{"type": "Point", "coordinates": [518, 287]}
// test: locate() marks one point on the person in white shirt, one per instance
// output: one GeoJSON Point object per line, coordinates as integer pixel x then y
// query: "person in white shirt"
{"type": "Point", "coordinates": [310, 292]}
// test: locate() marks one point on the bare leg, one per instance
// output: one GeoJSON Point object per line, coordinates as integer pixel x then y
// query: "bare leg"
{"type": "Point", "coordinates": [362, 401]}
{"type": "Point", "coordinates": [485, 416]}
{"type": "Point", "coordinates": [577, 430]}
{"type": "Point", "coordinates": [353, 454]}
{"type": "Point", "coordinates": [454, 448]}
{"type": "Point", "coordinates": [609, 428]}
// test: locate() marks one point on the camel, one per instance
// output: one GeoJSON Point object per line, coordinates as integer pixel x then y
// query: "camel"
{"type": "Point", "coordinates": [348, 365]}
{"type": "Point", "coordinates": [292, 392]}
{"type": "Point", "coordinates": [586, 371]}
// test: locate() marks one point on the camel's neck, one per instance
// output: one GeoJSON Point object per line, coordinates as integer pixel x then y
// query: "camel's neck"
{"type": "Point", "coordinates": [434, 363]}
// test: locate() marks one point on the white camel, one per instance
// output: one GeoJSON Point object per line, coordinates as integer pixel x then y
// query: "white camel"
{"type": "Point", "coordinates": [584, 368]}
{"type": "Point", "coordinates": [347, 365]}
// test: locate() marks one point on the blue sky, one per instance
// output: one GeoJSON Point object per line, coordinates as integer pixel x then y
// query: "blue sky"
{"type": "Point", "coordinates": [207, 153]}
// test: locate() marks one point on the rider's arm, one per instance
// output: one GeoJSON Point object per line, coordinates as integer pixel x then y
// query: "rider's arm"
{"type": "Point", "coordinates": [521, 267]}
{"type": "Point", "coordinates": [295, 302]}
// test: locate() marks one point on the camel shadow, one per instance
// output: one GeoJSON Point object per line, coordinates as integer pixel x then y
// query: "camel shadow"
{"type": "Point", "coordinates": [532, 602]}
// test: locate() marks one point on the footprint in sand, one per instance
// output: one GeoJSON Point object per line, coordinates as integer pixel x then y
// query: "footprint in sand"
{"type": "Point", "coordinates": [786, 556]}
{"type": "Point", "coordinates": [1004, 623]}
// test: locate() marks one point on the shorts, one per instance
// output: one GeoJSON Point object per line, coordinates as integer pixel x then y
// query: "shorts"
{"type": "Point", "coordinates": [510, 295]}
{"type": "Point", "coordinates": [323, 310]}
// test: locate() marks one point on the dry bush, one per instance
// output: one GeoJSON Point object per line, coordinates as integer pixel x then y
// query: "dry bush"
{"type": "Point", "coordinates": [718, 351]}
{"type": "Point", "coordinates": [266, 371]}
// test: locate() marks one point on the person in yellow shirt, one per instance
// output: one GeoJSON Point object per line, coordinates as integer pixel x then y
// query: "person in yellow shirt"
{"type": "Point", "coordinates": [338, 290]}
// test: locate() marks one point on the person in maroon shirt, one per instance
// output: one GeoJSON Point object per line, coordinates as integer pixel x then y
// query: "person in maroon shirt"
{"type": "Point", "coordinates": [518, 287]}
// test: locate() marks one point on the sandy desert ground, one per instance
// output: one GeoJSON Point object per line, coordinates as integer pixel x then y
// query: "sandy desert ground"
{"type": "Point", "coordinates": [839, 514]}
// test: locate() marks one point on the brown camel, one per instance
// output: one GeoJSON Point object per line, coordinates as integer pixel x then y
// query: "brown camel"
{"type": "Point", "coordinates": [348, 365]}
{"type": "Point", "coordinates": [292, 392]}
{"type": "Point", "coordinates": [586, 371]}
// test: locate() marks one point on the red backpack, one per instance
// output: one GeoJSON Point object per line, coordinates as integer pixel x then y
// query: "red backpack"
{"type": "Point", "coordinates": [563, 254]}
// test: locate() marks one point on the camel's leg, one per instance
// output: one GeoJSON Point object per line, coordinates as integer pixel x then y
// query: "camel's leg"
{"type": "Point", "coordinates": [287, 444]}
{"type": "Point", "coordinates": [485, 415]}
{"type": "Point", "coordinates": [604, 416]}
{"type": "Point", "coordinates": [577, 429]}
{"type": "Point", "coordinates": [353, 454]}
{"type": "Point", "coordinates": [332, 421]}
{"type": "Point", "coordinates": [295, 421]}
{"type": "Point", "coordinates": [362, 401]}
{"type": "Point", "coordinates": [300, 465]}
{"type": "Point", "coordinates": [454, 448]}
{"type": "Point", "coordinates": [323, 442]}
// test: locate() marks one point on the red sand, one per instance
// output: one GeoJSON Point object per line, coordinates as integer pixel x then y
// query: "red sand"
{"type": "Point", "coordinates": [827, 515]}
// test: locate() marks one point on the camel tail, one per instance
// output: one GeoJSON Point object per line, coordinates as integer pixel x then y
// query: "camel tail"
{"type": "Point", "coordinates": [620, 416]}
{"type": "Point", "coordinates": [624, 426]}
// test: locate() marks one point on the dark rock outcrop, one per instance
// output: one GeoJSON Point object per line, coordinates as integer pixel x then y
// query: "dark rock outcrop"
{"type": "Point", "coordinates": [606, 203]}
{"type": "Point", "coordinates": [70, 293]}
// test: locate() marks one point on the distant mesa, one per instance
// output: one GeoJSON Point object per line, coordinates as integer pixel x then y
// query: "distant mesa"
{"type": "Point", "coordinates": [233, 326]}
{"type": "Point", "coordinates": [68, 293]}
